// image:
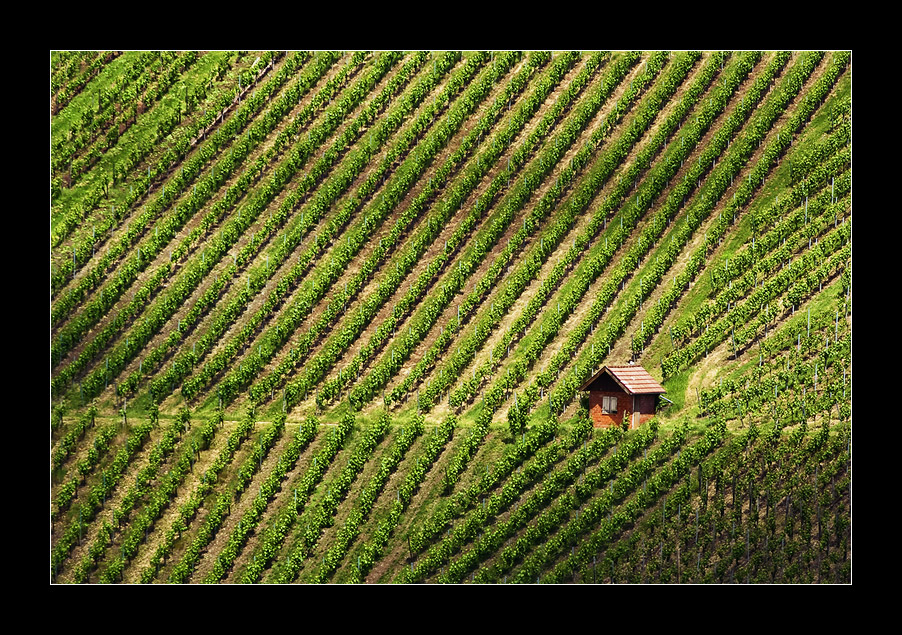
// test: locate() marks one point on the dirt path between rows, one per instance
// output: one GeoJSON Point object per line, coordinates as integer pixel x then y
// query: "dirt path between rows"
{"type": "Point", "coordinates": [261, 258]}
{"type": "Point", "coordinates": [450, 228]}
{"type": "Point", "coordinates": [148, 271]}
{"type": "Point", "coordinates": [240, 507]}
{"type": "Point", "coordinates": [579, 227]}
{"type": "Point", "coordinates": [134, 569]}
{"type": "Point", "coordinates": [699, 235]}
{"type": "Point", "coordinates": [139, 461]}
{"type": "Point", "coordinates": [451, 311]}
{"type": "Point", "coordinates": [136, 210]}
{"type": "Point", "coordinates": [354, 267]}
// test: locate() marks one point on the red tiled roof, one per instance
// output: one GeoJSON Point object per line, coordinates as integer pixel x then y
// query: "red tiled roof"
{"type": "Point", "coordinates": [635, 380]}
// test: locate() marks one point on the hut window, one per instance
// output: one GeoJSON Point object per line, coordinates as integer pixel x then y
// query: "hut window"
{"type": "Point", "coordinates": [609, 405]}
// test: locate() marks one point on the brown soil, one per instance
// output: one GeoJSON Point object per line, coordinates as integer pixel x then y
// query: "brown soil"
{"type": "Point", "coordinates": [392, 560]}
{"type": "Point", "coordinates": [567, 241]}
{"type": "Point", "coordinates": [621, 349]}
{"type": "Point", "coordinates": [132, 573]}
{"type": "Point", "coordinates": [138, 463]}
{"type": "Point", "coordinates": [708, 367]}
{"type": "Point", "coordinates": [126, 298]}
{"type": "Point", "coordinates": [283, 498]}
{"type": "Point", "coordinates": [239, 508]}
{"type": "Point", "coordinates": [450, 312]}
{"type": "Point", "coordinates": [352, 269]}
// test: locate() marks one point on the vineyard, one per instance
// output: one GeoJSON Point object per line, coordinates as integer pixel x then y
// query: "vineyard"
{"type": "Point", "coordinates": [324, 317]}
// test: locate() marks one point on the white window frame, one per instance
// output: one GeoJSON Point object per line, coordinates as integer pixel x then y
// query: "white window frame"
{"type": "Point", "coordinates": [608, 405]}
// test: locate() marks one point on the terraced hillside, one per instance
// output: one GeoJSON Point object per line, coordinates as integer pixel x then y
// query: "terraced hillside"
{"type": "Point", "coordinates": [323, 317]}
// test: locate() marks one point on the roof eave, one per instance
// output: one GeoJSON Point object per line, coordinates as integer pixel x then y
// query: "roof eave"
{"type": "Point", "coordinates": [606, 369]}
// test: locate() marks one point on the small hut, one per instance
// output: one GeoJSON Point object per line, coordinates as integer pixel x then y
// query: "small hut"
{"type": "Point", "coordinates": [622, 393]}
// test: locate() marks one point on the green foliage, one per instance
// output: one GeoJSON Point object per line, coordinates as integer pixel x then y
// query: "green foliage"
{"type": "Point", "coordinates": [481, 231]}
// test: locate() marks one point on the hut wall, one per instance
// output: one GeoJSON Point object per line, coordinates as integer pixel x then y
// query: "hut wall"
{"type": "Point", "coordinates": [606, 420]}
{"type": "Point", "coordinates": [644, 405]}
